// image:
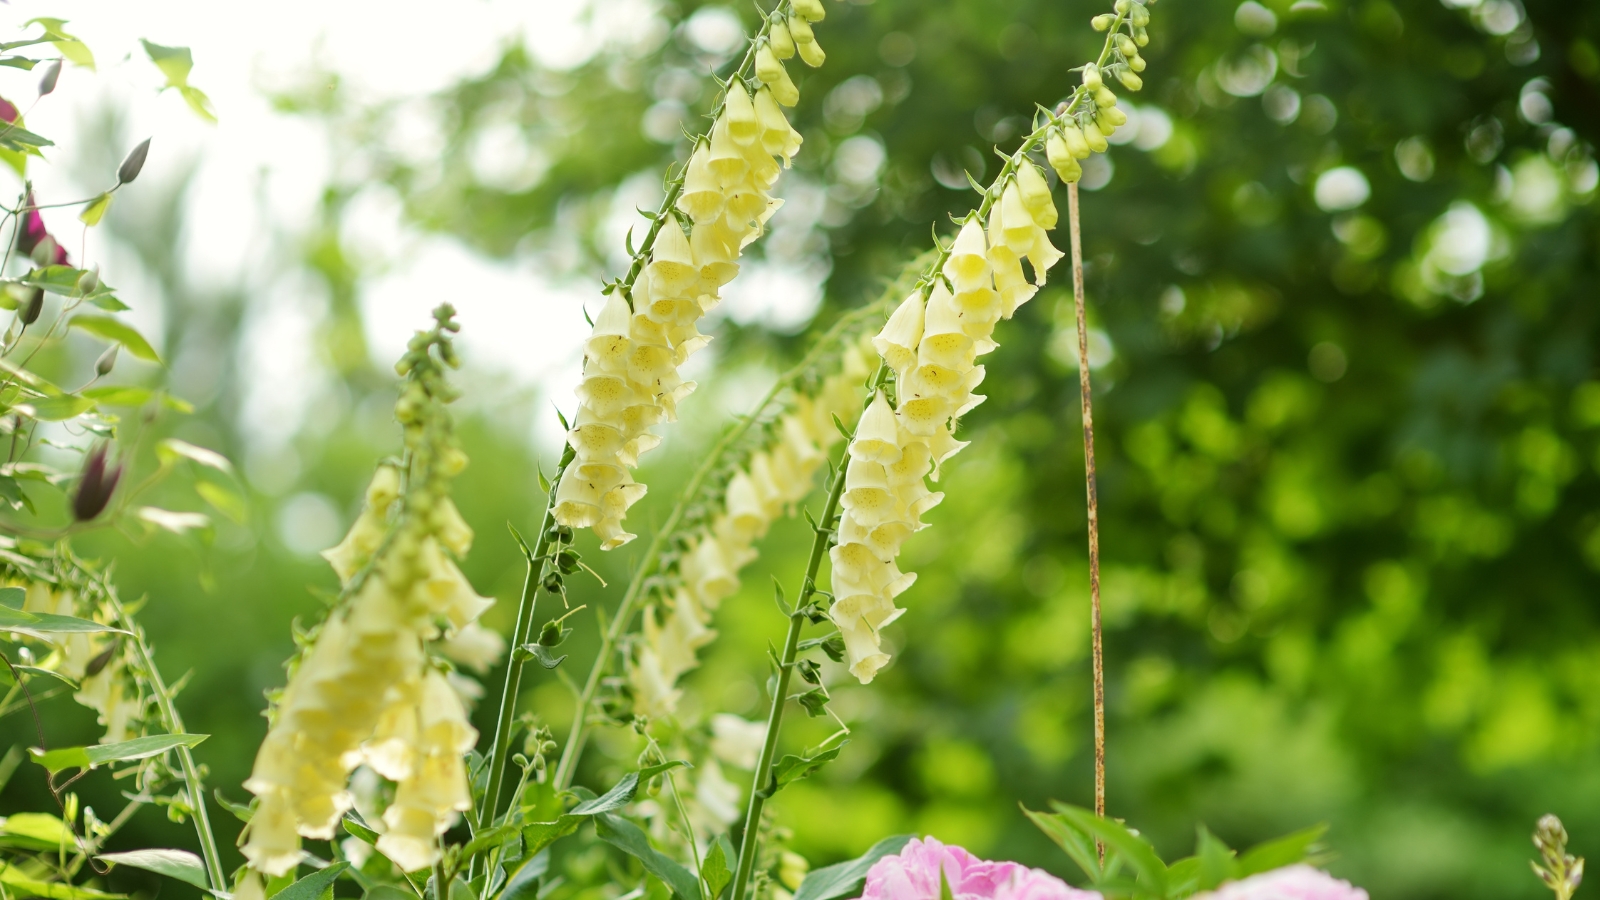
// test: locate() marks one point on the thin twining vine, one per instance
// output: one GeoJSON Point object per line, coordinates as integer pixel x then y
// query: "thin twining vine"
{"type": "Point", "coordinates": [693, 492]}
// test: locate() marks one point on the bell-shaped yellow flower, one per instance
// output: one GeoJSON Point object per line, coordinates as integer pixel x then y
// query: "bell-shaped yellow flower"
{"type": "Point", "coordinates": [743, 127]}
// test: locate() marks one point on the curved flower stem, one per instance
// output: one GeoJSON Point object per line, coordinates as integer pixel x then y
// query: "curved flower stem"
{"type": "Point", "coordinates": [505, 722]}
{"type": "Point", "coordinates": [173, 722]}
{"type": "Point", "coordinates": [566, 769]}
{"type": "Point", "coordinates": [1094, 514]}
{"type": "Point", "coordinates": [763, 784]}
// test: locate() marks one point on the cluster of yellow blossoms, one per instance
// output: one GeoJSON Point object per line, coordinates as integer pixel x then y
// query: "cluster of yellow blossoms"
{"type": "Point", "coordinates": [96, 662]}
{"type": "Point", "coordinates": [630, 377]}
{"type": "Point", "coordinates": [758, 493]}
{"type": "Point", "coordinates": [931, 342]}
{"type": "Point", "coordinates": [365, 692]}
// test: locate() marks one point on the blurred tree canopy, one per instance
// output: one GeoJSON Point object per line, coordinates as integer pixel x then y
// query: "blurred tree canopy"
{"type": "Point", "coordinates": [1342, 282]}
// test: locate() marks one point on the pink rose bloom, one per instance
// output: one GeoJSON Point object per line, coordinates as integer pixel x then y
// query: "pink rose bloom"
{"type": "Point", "coordinates": [1300, 882]}
{"type": "Point", "coordinates": [913, 874]}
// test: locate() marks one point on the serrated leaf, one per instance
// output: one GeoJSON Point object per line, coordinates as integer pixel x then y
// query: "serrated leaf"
{"type": "Point", "coordinates": [845, 879]}
{"type": "Point", "coordinates": [121, 751]}
{"type": "Point", "coordinates": [312, 886]}
{"type": "Point", "coordinates": [179, 864]}
{"type": "Point", "coordinates": [95, 211]}
{"type": "Point", "coordinates": [631, 839]}
{"type": "Point", "coordinates": [493, 837]}
{"type": "Point", "coordinates": [107, 328]}
{"type": "Point", "coordinates": [792, 768]}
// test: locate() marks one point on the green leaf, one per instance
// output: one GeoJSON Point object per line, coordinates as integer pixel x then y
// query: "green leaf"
{"type": "Point", "coordinates": [107, 301]}
{"type": "Point", "coordinates": [174, 62]}
{"type": "Point", "coordinates": [1069, 837]}
{"type": "Point", "coordinates": [107, 328]}
{"type": "Point", "coordinates": [493, 837]}
{"type": "Point", "coordinates": [173, 521]}
{"type": "Point", "coordinates": [95, 211]}
{"type": "Point", "coordinates": [55, 279]}
{"type": "Point", "coordinates": [13, 597]}
{"type": "Point", "coordinates": [1216, 859]}
{"type": "Point", "coordinates": [199, 102]}
{"type": "Point", "coordinates": [631, 839]}
{"type": "Point", "coordinates": [121, 751]}
{"type": "Point", "coordinates": [240, 811]}
{"type": "Point", "coordinates": [59, 409]}
{"type": "Point", "coordinates": [312, 886]}
{"type": "Point", "coordinates": [74, 50]}
{"type": "Point", "coordinates": [5, 674]}
{"type": "Point", "coordinates": [224, 500]}
{"type": "Point", "coordinates": [387, 892]}
{"type": "Point", "coordinates": [120, 395]}
{"type": "Point", "coordinates": [714, 870]}
{"type": "Point", "coordinates": [524, 883]}
{"type": "Point", "coordinates": [358, 828]}
{"type": "Point", "coordinates": [172, 449]}
{"type": "Point", "coordinates": [27, 886]}
{"type": "Point", "coordinates": [48, 623]}
{"type": "Point", "coordinates": [37, 831]}
{"type": "Point", "coordinates": [18, 138]}
{"type": "Point", "coordinates": [622, 794]}
{"type": "Point", "coordinates": [1301, 846]}
{"type": "Point", "coordinates": [1147, 866]}
{"type": "Point", "coordinates": [845, 879]}
{"type": "Point", "coordinates": [179, 864]}
{"type": "Point", "coordinates": [538, 835]}
{"type": "Point", "coordinates": [793, 768]}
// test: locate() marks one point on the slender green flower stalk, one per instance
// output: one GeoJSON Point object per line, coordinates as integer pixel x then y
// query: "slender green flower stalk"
{"type": "Point", "coordinates": [802, 387]}
{"type": "Point", "coordinates": [647, 329]}
{"type": "Point", "coordinates": [365, 690]}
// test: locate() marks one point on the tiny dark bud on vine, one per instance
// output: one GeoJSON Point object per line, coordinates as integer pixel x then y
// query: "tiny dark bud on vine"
{"type": "Point", "coordinates": [100, 661]}
{"type": "Point", "coordinates": [95, 486]}
{"type": "Point", "coordinates": [130, 168]}
{"type": "Point", "coordinates": [52, 73]}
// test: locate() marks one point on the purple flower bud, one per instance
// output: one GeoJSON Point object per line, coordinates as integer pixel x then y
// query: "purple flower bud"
{"type": "Point", "coordinates": [8, 110]}
{"type": "Point", "coordinates": [32, 233]}
{"type": "Point", "coordinates": [95, 486]}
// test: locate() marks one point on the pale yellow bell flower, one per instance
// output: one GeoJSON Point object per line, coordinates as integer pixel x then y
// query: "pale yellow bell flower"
{"type": "Point", "coordinates": [897, 342]}
{"type": "Point", "coordinates": [864, 653]}
{"type": "Point", "coordinates": [672, 268]}
{"type": "Point", "coordinates": [1009, 280]}
{"type": "Point", "coordinates": [968, 265]}
{"type": "Point", "coordinates": [1036, 195]}
{"type": "Point", "coordinates": [474, 646]}
{"type": "Point", "coordinates": [349, 555]}
{"type": "Point", "coordinates": [743, 126]}
{"type": "Point", "coordinates": [274, 845]}
{"type": "Point", "coordinates": [778, 137]}
{"type": "Point", "coordinates": [878, 434]}
{"type": "Point", "coordinates": [607, 347]}
{"type": "Point", "coordinates": [611, 533]}
{"type": "Point", "coordinates": [701, 198]}
{"type": "Point", "coordinates": [944, 341]}
{"type": "Point", "coordinates": [453, 531]}
{"type": "Point", "coordinates": [736, 741]}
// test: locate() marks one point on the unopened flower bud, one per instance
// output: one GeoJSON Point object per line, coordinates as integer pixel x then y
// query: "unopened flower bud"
{"type": "Point", "coordinates": [1055, 150]}
{"type": "Point", "coordinates": [775, 77]}
{"type": "Point", "coordinates": [1072, 136]}
{"type": "Point", "coordinates": [44, 252]}
{"type": "Point", "coordinates": [1113, 116]}
{"type": "Point", "coordinates": [88, 282]}
{"type": "Point", "coordinates": [781, 41]}
{"type": "Point", "coordinates": [1140, 36]}
{"type": "Point", "coordinates": [1091, 76]}
{"type": "Point", "coordinates": [1103, 98]}
{"type": "Point", "coordinates": [95, 485]}
{"type": "Point", "coordinates": [811, 53]}
{"type": "Point", "coordinates": [1069, 171]}
{"type": "Point", "coordinates": [810, 10]}
{"type": "Point", "coordinates": [32, 307]}
{"type": "Point", "coordinates": [1126, 46]}
{"type": "Point", "coordinates": [800, 30]}
{"type": "Point", "coordinates": [1102, 22]}
{"type": "Point", "coordinates": [1095, 138]}
{"type": "Point", "coordinates": [52, 73]}
{"type": "Point", "coordinates": [1139, 16]}
{"type": "Point", "coordinates": [130, 168]}
{"type": "Point", "coordinates": [107, 361]}
{"type": "Point", "coordinates": [1136, 63]}
{"type": "Point", "coordinates": [1129, 80]}
{"type": "Point", "coordinates": [1122, 7]}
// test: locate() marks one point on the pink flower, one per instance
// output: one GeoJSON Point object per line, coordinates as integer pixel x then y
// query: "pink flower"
{"type": "Point", "coordinates": [913, 874]}
{"type": "Point", "coordinates": [1301, 882]}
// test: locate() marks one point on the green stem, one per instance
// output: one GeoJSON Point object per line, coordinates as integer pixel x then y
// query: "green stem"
{"type": "Point", "coordinates": [505, 722]}
{"type": "Point", "coordinates": [762, 786]}
{"type": "Point", "coordinates": [174, 725]}
{"type": "Point", "coordinates": [578, 737]}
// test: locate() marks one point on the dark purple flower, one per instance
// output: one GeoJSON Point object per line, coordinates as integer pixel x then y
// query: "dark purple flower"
{"type": "Point", "coordinates": [95, 486]}
{"type": "Point", "coordinates": [33, 232]}
{"type": "Point", "coordinates": [8, 110]}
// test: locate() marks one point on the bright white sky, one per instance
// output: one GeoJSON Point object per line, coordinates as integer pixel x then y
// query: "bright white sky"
{"type": "Point", "coordinates": [257, 168]}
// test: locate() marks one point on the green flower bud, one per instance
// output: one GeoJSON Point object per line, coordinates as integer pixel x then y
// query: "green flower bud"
{"type": "Point", "coordinates": [1140, 36]}
{"type": "Point", "coordinates": [88, 282]}
{"type": "Point", "coordinates": [781, 41]}
{"type": "Point", "coordinates": [1104, 99]}
{"type": "Point", "coordinates": [1139, 16]}
{"type": "Point", "coordinates": [1115, 116]}
{"type": "Point", "coordinates": [810, 10]}
{"type": "Point", "coordinates": [806, 43]}
{"type": "Point", "coordinates": [1126, 46]}
{"type": "Point", "coordinates": [1059, 155]}
{"type": "Point", "coordinates": [32, 307]}
{"type": "Point", "coordinates": [1103, 126]}
{"type": "Point", "coordinates": [107, 361]}
{"type": "Point", "coordinates": [1136, 63]}
{"type": "Point", "coordinates": [1122, 7]}
{"type": "Point", "coordinates": [1095, 139]}
{"type": "Point", "coordinates": [1129, 80]}
{"type": "Point", "coordinates": [1072, 136]}
{"type": "Point", "coordinates": [1102, 22]}
{"type": "Point", "coordinates": [1091, 76]}
{"type": "Point", "coordinates": [134, 163]}
{"type": "Point", "coordinates": [44, 252]}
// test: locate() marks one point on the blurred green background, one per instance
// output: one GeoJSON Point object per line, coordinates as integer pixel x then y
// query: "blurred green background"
{"type": "Point", "coordinates": [1342, 283]}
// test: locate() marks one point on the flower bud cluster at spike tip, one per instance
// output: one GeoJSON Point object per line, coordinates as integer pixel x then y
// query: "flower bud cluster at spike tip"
{"type": "Point", "coordinates": [95, 485]}
{"type": "Point", "coordinates": [364, 692]}
{"type": "Point", "coordinates": [1082, 124]}
{"type": "Point", "coordinates": [932, 342]}
{"type": "Point", "coordinates": [646, 330]}
{"type": "Point", "coordinates": [772, 479]}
